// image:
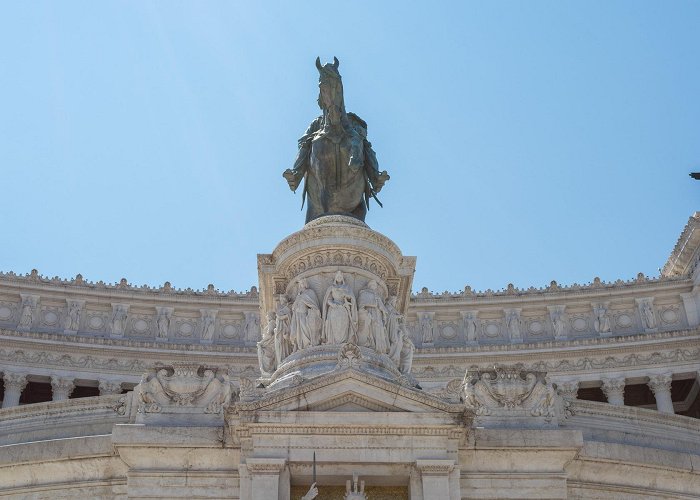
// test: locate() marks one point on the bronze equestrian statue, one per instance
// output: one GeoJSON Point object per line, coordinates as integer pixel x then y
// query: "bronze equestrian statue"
{"type": "Point", "coordinates": [335, 159]}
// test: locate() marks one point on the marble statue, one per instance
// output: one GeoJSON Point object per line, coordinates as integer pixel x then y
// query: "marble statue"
{"type": "Point", "coordinates": [73, 318]}
{"type": "Point", "coordinates": [648, 316]}
{"type": "Point", "coordinates": [339, 313]}
{"type": "Point", "coordinates": [426, 328]}
{"type": "Point", "coordinates": [311, 494]}
{"type": "Point", "coordinates": [335, 159]}
{"type": "Point", "coordinates": [119, 320]}
{"type": "Point", "coordinates": [558, 324]}
{"type": "Point", "coordinates": [406, 356]}
{"type": "Point", "coordinates": [601, 323]}
{"type": "Point", "coordinates": [251, 327]}
{"type": "Point", "coordinates": [163, 323]}
{"type": "Point", "coordinates": [306, 317]}
{"type": "Point", "coordinates": [284, 344]}
{"type": "Point", "coordinates": [27, 315]}
{"type": "Point", "coordinates": [394, 323]}
{"type": "Point", "coordinates": [513, 324]}
{"type": "Point", "coordinates": [470, 326]}
{"type": "Point", "coordinates": [372, 332]}
{"type": "Point", "coordinates": [267, 356]}
{"type": "Point", "coordinates": [208, 326]}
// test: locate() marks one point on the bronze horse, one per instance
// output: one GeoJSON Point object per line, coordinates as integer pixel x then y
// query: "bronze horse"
{"type": "Point", "coordinates": [335, 159]}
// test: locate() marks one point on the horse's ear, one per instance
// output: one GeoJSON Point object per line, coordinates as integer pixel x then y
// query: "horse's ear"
{"type": "Point", "coordinates": [318, 63]}
{"type": "Point", "coordinates": [336, 63]}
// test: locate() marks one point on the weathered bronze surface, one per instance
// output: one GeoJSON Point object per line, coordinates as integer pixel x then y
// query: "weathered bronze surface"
{"type": "Point", "coordinates": [335, 159]}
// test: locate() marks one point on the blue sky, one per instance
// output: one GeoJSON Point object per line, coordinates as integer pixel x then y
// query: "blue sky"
{"type": "Point", "coordinates": [526, 141]}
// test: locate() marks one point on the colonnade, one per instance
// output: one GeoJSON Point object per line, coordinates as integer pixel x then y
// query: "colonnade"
{"type": "Point", "coordinates": [61, 387]}
{"type": "Point", "coordinates": [614, 389]}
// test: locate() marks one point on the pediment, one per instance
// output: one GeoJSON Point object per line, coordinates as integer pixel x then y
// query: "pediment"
{"type": "Point", "coordinates": [349, 390]}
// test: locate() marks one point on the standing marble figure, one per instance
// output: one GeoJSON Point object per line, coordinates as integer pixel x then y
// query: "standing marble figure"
{"type": "Point", "coordinates": [306, 317]}
{"type": "Point", "coordinates": [372, 332]}
{"type": "Point", "coordinates": [335, 159]}
{"type": "Point", "coordinates": [339, 313]}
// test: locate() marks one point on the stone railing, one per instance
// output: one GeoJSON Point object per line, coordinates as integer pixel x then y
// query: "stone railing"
{"type": "Point", "coordinates": [632, 425]}
{"type": "Point", "coordinates": [63, 419]}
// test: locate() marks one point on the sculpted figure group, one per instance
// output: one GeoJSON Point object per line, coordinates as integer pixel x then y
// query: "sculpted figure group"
{"type": "Point", "coordinates": [339, 318]}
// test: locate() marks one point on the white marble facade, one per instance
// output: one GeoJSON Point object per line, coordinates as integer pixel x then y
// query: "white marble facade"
{"type": "Point", "coordinates": [211, 394]}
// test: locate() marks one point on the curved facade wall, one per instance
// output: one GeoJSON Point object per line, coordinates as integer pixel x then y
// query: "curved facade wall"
{"type": "Point", "coordinates": [617, 366]}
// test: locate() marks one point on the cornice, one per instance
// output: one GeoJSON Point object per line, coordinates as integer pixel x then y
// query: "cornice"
{"type": "Point", "coordinates": [290, 393]}
{"type": "Point", "coordinates": [684, 256]}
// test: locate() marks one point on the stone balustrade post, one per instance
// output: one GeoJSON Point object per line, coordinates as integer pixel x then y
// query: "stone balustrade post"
{"type": "Point", "coordinates": [661, 387]}
{"type": "Point", "coordinates": [109, 387]}
{"type": "Point", "coordinates": [614, 389]}
{"type": "Point", "coordinates": [14, 385]}
{"type": "Point", "coordinates": [266, 474]}
{"type": "Point", "coordinates": [61, 387]}
{"type": "Point", "coordinates": [568, 389]}
{"type": "Point", "coordinates": [435, 477]}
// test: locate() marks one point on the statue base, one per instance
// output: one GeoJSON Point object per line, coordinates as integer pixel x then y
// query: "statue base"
{"type": "Point", "coordinates": [321, 360]}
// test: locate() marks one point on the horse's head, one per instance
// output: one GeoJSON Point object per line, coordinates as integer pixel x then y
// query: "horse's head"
{"type": "Point", "coordinates": [330, 84]}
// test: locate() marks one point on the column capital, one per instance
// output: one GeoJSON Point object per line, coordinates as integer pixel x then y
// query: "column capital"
{"type": "Point", "coordinates": [660, 382]}
{"type": "Point", "coordinates": [614, 389]}
{"type": "Point", "coordinates": [109, 387]}
{"type": "Point", "coordinates": [62, 387]}
{"type": "Point", "coordinates": [568, 389]}
{"type": "Point", "coordinates": [15, 381]}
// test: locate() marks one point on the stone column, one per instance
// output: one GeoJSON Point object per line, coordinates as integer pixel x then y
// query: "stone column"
{"type": "Point", "coordinates": [568, 389]}
{"type": "Point", "coordinates": [14, 385]}
{"type": "Point", "coordinates": [265, 475]}
{"type": "Point", "coordinates": [435, 475]}
{"type": "Point", "coordinates": [61, 387]}
{"type": "Point", "coordinates": [614, 389]}
{"type": "Point", "coordinates": [661, 387]}
{"type": "Point", "coordinates": [109, 387]}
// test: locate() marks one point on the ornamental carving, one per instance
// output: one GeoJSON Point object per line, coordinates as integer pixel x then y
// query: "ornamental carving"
{"type": "Point", "coordinates": [508, 391]}
{"type": "Point", "coordinates": [184, 385]}
{"type": "Point", "coordinates": [327, 258]}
